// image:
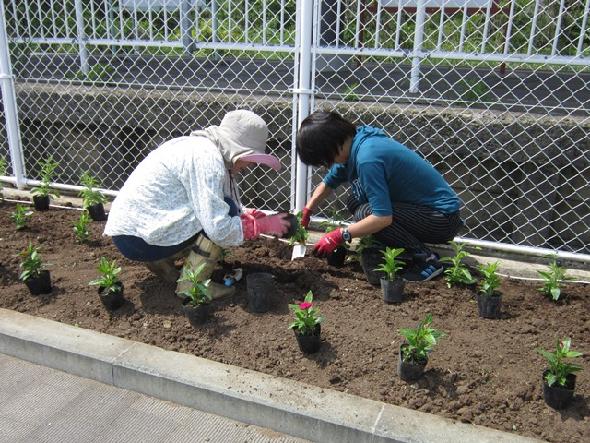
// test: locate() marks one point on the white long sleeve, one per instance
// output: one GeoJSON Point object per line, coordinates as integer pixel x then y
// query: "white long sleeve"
{"type": "Point", "coordinates": [175, 192]}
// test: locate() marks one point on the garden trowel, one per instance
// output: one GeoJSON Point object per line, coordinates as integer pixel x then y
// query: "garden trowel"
{"type": "Point", "coordinates": [298, 251]}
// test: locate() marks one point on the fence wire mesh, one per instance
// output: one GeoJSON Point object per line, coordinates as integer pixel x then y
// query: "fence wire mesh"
{"type": "Point", "coordinates": [494, 93]}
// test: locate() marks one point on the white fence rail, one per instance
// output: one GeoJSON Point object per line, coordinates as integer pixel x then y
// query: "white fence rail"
{"type": "Point", "coordinates": [494, 93]}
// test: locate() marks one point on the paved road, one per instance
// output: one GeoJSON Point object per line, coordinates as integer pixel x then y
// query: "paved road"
{"type": "Point", "coordinates": [38, 404]}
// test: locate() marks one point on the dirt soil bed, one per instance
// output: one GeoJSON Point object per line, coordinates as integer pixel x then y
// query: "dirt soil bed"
{"type": "Point", "coordinates": [485, 372]}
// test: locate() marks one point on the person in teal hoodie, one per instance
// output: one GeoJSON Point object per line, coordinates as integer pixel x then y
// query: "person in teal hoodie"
{"type": "Point", "coordinates": [396, 195]}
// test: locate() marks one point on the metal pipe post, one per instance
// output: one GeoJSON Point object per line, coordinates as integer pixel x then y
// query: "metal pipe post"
{"type": "Point", "coordinates": [81, 37]}
{"type": "Point", "coordinates": [304, 91]}
{"type": "Point", "coordinates": [10, 107]}
{"type": "Point", "coordinates": [418, 39]}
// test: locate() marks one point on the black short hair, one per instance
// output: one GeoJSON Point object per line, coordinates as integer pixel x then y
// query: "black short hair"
{"type": "Point", "coordinates": [321, 136]}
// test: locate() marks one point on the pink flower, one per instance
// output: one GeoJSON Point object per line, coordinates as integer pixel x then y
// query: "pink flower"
{"type": "Point", "coordinates": [304, 305]}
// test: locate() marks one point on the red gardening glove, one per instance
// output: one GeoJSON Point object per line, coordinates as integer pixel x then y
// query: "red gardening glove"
{"type": "Point", "coordinates": [272, 225]}
{"type": "Point", "coordinates": [306, 217]}
{"type": "Point", "coordinates": [254, 213]}
{"type": "Point", "coordinates": [326, 245]}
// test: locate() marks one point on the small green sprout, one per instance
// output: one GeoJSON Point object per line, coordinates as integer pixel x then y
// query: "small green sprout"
{"type": "Point", "coordinates": [391, 264]}
{"type": "Point", "coordinates": [108, 280]}
{"type": "Point", "coordinates": [490, 281]}
{"type": "Point", "coordinates": [48, 168]}
{"type": "Point", "coordinates": [90, 196]}
{"type": "Point", "coordinates": [458, 273]}
{"type": "Point", "coordinates": [301, 233]}
{"type": "Point", "coordinates": [558, 368]}
{"type": "Point", "coordinates": [198, 292]}
{"type": "Point", "coordinates": [81, 227]}
{"type": "Point", "coordinates": [553, 279]}
{"type": "Point", "coordinates": [19, 216]}
{"type": "Point", "coordinates": [31, 264]}
{"type": "Point", "coordinates": [420, 340]}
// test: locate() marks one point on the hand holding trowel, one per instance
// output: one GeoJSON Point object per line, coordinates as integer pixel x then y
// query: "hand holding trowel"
{"type": "Point", "coordinates": [297, 235]}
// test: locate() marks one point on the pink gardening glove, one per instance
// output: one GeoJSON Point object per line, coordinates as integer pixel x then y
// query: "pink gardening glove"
{"type": "Point", "coordinates": [254, 213]}
{"type": "Point", "coordinates": [306, 217]}
{"type": "Point", "coordinates": [272, 225]}
{"type": "Point", "coordinates": [326, 245]}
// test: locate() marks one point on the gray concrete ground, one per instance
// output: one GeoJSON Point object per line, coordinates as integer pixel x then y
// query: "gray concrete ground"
{"type": "Point", "coordinates": [39, 404]}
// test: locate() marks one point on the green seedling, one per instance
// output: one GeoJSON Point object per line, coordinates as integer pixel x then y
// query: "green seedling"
{"type": "Point", "coordinates": [391, 265]}
{"type": "Point", "coordinates": [90, 196]}
{"type": "Point", "coordinates": [558, 368]}
{"type": "Point", "coordinates": [48, 168]}
{"type": "Point", "coordinates": [108, 280]}
{"type": "Point", "coordinates": [31, 264]}
{"type": "Point", "coordinates": [475, 90]}
{"type": "Point", "coordinates": [458, 273]}
{"type": "Point", "coordinates": [552, 280]}
{"type": "Point", "coordinates": [420, 340]}
{"type": "Point", "coordinates": [300, 236]}
{"type": "Point", "coordinates": [198, 292]}
{"type": "Point", "coordinates": [490, 281]}
{"type": "Point", "coordinates": [19, 216]}
{"type": "Point", "coordinates": [81, 227]}
{"type": "Point", "coordinates": [306, 315]}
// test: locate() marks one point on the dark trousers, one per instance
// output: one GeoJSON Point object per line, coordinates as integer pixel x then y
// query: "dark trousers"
{"type": "Point", "coordinates": [412, 225]}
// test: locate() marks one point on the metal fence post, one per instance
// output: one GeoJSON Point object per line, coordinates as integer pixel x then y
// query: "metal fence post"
{"type": "Point", "coordinates": [81, 37]}
{"type": "Point", "coordinates": [418, 39]}
{"type": "Point", "coordinates": [304, 91]}
{"type": "Point", "coordinates": [9, 102]}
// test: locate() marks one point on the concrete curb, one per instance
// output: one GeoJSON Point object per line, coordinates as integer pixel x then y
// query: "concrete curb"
{"type": "Point", "coordinates": [254, 398]}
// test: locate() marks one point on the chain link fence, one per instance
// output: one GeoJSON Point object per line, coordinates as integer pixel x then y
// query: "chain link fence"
{"type": "Point", "coordinates": [494, 93]}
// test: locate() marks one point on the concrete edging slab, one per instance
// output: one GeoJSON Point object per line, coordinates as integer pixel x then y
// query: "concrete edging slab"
{"type": "Point", "coordinates": [248, 396]}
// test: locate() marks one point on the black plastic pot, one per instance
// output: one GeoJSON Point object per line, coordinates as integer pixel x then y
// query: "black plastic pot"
{"type": "Point", "coordinates": [41, 284]}
{"type": "Point", "coordinates": [393, 290]}
{"type": "Point", "coordinates": [409, 370]}
{"type": "Point", "coordinates": [294, 225]}
{"type": "Point", "coordinates": [41, 203]}
{"type": "Point", "coordinates": [489, 306]}
{"type": "Point", "coordinates": [112, 299]}
{"type": "Point", "coordinates": [559, 397]}
{"type": "Point", "coordinates": [337, 257]}
{"type": "Point", "coordinates": [259, 285]}
{"type": "Point", "coordinates": [96, 212]}
{"type": "Point", "coordinates": [309, 343]}
{"type": "Point", "coordinates": [197, 315]}
{"type": "Point", "coordinates": [371, 258]}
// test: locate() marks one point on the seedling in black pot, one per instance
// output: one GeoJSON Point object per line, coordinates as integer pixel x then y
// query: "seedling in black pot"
{"type": "Point", "coordinates": [392, 285]}
{"type": "Point", "coordinates": [92, 200]}
{"type": "Point", "coordinates": [458, 273]}
{"type": "Point", "coordinates": [489, 299]}
{"type": "Point", "coordinates": [338, 255]}
{"type": "Point", "coordinates": [20, 216]}
{"type": "Point", "coordinates": [110, 288]}
{"type": "Point", "coordinates": [559, 380]}
{"type": "Point", "coordinates": [307, 325]}
{"type": "Point", "coordinates": [81, 227]}
{"type": "Point", "coordinates": [43, 192]}
{"type": "Point", "coordinates": [33, 275]}
{"type": "Point", "coordinates": [370, 257]}
{"type": "Point", "coordinates": [413, 353]}
{"type": "Point", "coordinates": [195, 304]}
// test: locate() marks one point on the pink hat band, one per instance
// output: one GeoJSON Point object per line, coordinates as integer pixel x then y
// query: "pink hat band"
{"type": "Point", "coordinates": [266, 159]}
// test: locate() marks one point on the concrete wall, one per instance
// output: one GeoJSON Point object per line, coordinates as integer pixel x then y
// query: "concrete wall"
{"type": "Point", "coordinates": [524, 178]}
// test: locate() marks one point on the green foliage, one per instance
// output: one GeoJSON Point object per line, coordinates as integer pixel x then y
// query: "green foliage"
{"type": "Point", "coordinates": [108, 280]}
{"type": "Point", "coordinates": [95, 74]}
{"type": "Point", "coordinates": [48, 167]}
{"type": "Point", "coordinates": [552, 280]}
{"type": "Point", "coordinates": [81, 227]}
{"type": "Point", "coordinates": [490, 281]}
{"type": "Point", "coordinates": [365, 242]}
{"type": "Point", "coordinates": [31, 263]}
{"type": "Point", "coordinates": [301, 233]}
{"type": "Point", "coordinates": [391, 264]}
{"type": "Point", "coordinates": [350, 94]}
{"type": "Point", "coordinates": [474, 90]}
{"type": "Point", "coordinates": [198, 291]}
{"type": "Point", "coordinates": [558, 368]}
{"type": "Point", "coordinates": [90, 196]}
{"type": "Point", "coordinates": [306, 315]}
{"type": "Point", "coordinates": [20, 216]}
{"type": "Point", "coordinates": [458, 273]}
{"type": "Point", "coordinates": [420, 340]}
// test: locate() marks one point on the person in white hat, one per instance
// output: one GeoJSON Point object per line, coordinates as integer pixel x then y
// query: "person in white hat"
{"type": "Point", "coordinates": [182, 200]}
